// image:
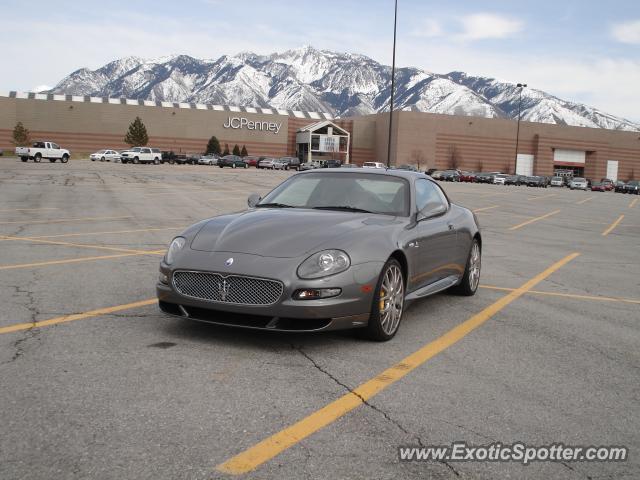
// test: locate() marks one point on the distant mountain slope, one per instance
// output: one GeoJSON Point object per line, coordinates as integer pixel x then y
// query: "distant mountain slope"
{"type": "Point", "coordinates": [318, 80]}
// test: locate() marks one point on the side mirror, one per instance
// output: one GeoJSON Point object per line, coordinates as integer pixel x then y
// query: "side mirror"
{"type": "Point", "coordinates": [428, 213]}
{"type": "Point", "coordinates": [253, 200]}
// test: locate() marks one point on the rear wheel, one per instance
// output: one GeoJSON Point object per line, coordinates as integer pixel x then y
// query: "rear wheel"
{"type": "Point", "coordinates": [24, 159]}
{"type": "Point", "coordinates": [471, 278]}
{"type": "Point", "coordinates": [37, 158]}
{"type": "Point", "coordinates": [156, 161]}
{"type": "Point", "coordinates": [233, 165]}
{"type": "Point", "coordinates": [388, 303]}
{"type": "Point", "coordinates": [246, 166]}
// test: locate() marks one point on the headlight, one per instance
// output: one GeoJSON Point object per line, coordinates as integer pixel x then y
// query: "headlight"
{"type": "Point", "coordinates": [176, 245]}
{"type": "Point", "coordinates": [323, 264]}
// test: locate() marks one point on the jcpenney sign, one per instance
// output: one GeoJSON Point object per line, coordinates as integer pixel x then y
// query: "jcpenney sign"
{"type": "Point", "coordinates": [238, 123]}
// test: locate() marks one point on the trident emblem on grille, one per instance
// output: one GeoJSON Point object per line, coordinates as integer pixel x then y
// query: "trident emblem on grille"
{"type": "Point", "coordinates": [223, 290]}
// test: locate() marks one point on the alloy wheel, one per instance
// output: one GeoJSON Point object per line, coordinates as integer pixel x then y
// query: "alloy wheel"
{"type": "Point", "coordinates": [391, 299]}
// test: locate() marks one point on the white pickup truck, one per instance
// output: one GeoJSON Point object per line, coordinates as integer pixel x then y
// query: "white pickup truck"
{"type": "Point", "coordinates": [40, 150]}
{"type": "Point", "coordinates": [141, 155]}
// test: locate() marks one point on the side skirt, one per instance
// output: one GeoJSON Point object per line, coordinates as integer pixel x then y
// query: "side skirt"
{"type": "Point", "coordinates": [434, 287]}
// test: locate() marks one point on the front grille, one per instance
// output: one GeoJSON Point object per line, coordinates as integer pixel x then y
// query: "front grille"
{"type": "Point", "coordinates": [232, 289]}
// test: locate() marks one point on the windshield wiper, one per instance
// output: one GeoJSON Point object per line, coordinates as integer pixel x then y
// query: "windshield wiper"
{"type": "Point", "coordinates": [344, 208]}
{"type": "Point", "coordinates": [274, 205]}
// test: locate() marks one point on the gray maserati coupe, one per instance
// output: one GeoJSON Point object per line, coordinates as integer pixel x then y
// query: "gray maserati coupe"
{"type": "Point", "coordinates": [326, 249]}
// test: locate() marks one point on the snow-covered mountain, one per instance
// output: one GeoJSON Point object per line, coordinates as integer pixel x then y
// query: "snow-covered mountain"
{"type": "Point", "coordinates": [343, 84]}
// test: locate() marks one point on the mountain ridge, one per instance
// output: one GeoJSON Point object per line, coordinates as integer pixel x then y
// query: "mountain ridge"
{"type": "Point", "coordinates": [343, 84]}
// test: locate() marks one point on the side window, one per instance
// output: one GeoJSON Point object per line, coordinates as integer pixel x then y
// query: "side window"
{"type": "Point", "coordinates": [429, 198]}
{"type": "Point", "coordinates": [53, 145]}
{"type": "Point", "coordinates": [145, 150]}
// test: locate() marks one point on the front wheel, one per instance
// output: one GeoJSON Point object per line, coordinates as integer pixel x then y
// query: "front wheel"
{"type": "Point", "coordinates": [64, 159]}
{"type": "Point", "coordinates": [233, 165]}
{"type": "Point", "coordinates": [102, 159]}
{"type": "Point", "coordinates": [156, 161]}
{"type": "Point", "coordinates": [246, 166]}
{"type": "Point", "coordinates": [471, 278]}
{"type": "Point", "coordinates": [388, 303]}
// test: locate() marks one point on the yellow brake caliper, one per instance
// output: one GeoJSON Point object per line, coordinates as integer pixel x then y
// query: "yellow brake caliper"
{"type": "Point", "coordinates": [382, 294]}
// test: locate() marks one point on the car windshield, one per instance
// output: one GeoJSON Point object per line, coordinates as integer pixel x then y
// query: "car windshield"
{"type": "Point", "coordinates": [100, 152]}
{"type": "Point", "coordinates": [387, 195]}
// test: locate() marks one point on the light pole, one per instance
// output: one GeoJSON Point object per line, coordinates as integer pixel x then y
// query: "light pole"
{"type": "Point", "coordinates": [393, 82]}
{"type": "Point", "coordinates": [520, 86]}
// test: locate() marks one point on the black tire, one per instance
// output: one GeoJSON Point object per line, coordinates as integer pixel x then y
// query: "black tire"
{"type": "Point", "coordinates": [37, 158]}
{"type": "Point", "coordinates": [172, 162]}
{"type": "Point", "coordinates": [102, 159]}
{"type": "Point", "coordinates": [65, 158]}
{"type": "Point", "coordinates": [136, 160]}
{"type": "Point", "coordinates": [156, 161]}
{"type": "Point", "coordinates": [52, 160]}
{"type": "Point", "coordinates": [221, 166]}
{"type": "Point", "coordinates": [93, 159]}
{"type": "Point", "coordinates": [233, 165]}
{"type": "Point", "coordinates": [24, 159]}
{"type": "Point", "coordinates": [246, 166]}
{"type": "Point", "coordinates": [468, 286]}
{"type": "Point", "coordinates": [375, 329]}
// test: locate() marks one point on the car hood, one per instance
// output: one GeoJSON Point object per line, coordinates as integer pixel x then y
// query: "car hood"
{"type": "Point", "coordinates": [283, 233]}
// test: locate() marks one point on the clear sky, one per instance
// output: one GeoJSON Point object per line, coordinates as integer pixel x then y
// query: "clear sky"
{"type": "Point", "coordinates": [581, 50]}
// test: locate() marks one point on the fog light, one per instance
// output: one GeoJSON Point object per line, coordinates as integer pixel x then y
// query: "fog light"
{"type": "Point", "coordinates": [162, 278]}
{"type": "Point", "coordinates": [316, 293]}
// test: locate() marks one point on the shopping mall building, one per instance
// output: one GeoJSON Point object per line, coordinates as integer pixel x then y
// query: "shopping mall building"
{"type": "Point", "coordinates": [86, 124]}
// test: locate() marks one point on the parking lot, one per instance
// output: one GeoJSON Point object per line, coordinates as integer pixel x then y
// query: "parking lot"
{"type": "Point", "coordinates": [97, 383]}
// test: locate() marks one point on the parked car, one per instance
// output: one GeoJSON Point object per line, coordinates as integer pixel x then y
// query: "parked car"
{"type": "Point", "coordinates": [557, 182]}
{"type": "Point", "coordinates": [310, 166]}
{"type": "Point", "coordinates": [279, 164]}
{"type": "Point", "coordinates": [208, 160]}
{"type": "Point", "coordinates": [513, 180]}
{"type": "Point", "coordinates": [633, 186]}
{"type": "Point", "coordinates": [265, 162]}
{"type": "Point", "coordinates": [536, 181]}
{"type": "Point", "coordinates": [450, 176]}
{"type": "Point", "coordinates": [142, 155]}
{"type": "Point", "coordinates": [105, 156]}
{"type": "Point", "coordinates": [486, 177]}
{"type": "Point", "coordinates": [469, 177]}
{"type": "Point", "coordinates": [252, 161]}
{"type": "Point", "coordinates": [619, 186]}
{"type": "Point", "coordinates": [500, 179]}
{"type": "Point", "coordinates": [373, 165]}
{"type": "Point", "coordinates": [283, 285]}
{"type": "Point", "coordinates": [43, 150]}
{"type": "Point", "coordinates": [430, 171]}
{"type": "Point", "coordinates": [579, 183]}
{"type": "Point", "coordinates": [232, 161]}
{"type": "Point", "coordinates": [608, 184]}
{"type": "Point", "coordinates": [436, 174]}
{"type": "Point", "coordinates": [172, 158]}
{"type": "Point", "coordinates": [410, 168]}
{"type": "Point", "coordinates": [331, 163]}
{"type": "Point", "coordinates": [598, 187]}
{"type": "Point", "coordinates": [291, 163]}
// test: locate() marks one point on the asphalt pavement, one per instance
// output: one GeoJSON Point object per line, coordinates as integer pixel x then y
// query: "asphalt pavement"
{"type": "Point", "coordinates": [98, 383]}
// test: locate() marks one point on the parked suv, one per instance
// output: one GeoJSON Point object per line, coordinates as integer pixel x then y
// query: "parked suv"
{"type": "Point", "coordinates": [289, 163]}
{"type": "Point", "coordinates": [142, 155]}
{"type": "Point", "coordinates": [579, 183]}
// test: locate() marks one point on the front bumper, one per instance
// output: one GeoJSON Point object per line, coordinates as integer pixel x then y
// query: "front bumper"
{"type": "Point", "coordinates": [351, 309]}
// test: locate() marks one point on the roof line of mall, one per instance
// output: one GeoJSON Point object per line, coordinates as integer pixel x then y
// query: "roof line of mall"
{"type": "Point", "coordinates": [153, 103]}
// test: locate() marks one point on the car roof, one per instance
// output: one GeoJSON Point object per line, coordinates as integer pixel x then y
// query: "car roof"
{"type": "Point", "coordinates": [408, 174]}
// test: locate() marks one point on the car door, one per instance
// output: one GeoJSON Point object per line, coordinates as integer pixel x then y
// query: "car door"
{"type": "Point", "coordinates": [437, 237]}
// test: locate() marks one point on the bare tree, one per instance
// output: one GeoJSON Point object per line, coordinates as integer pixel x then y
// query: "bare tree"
{"type": "Point", "coordinates": [455, 158]}
{"type": "Point", "coordinates": [417, 158]}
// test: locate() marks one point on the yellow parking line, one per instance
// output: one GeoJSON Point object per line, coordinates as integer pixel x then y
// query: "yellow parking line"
{"type": "Point", "coordinates": [78, 316]}
{"type": "Point", "coordinates": [585, 200]}
{"type": "Point", "coordinates": [542, 196]}
{"type": "Point", "coordinates": [267, 449]}
{"type": "Point", "coordinates": [485, 209]}
{"type": "Point", "coordinates": [567, 295]}
{"type": "Point", "coordinates": [26, 209]}
{"type": "Point", "coordinates": [633, 203]}
{"type": "Point", "coordinates": [612, 226]}
{"type": "Point", "coordinates": [113, 232]}
{"type": "Point", "coordinates": [64, 220]}
{"type": "Point", "coordinates": [76, 245]}
{"type": "Point", "coordinates": [75, 260]}
{"type": "Point", "coordinates": [533, 220]}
